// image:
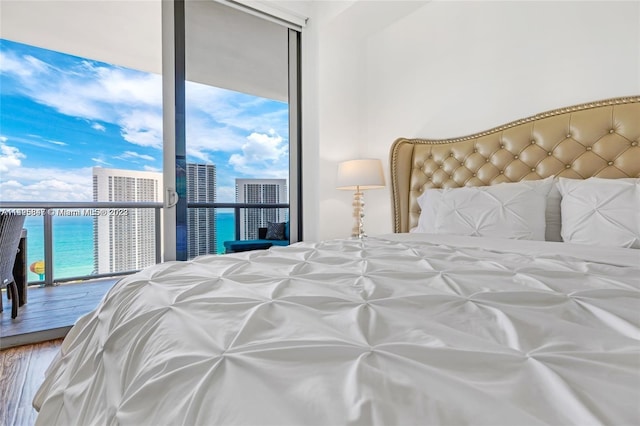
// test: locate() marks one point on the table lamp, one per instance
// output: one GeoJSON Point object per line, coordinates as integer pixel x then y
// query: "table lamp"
{"type": "Point", "coordinates": [358, 175]}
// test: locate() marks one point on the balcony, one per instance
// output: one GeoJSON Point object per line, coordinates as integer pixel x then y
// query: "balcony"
{"type": "Point", "coordinates": [66, 279]}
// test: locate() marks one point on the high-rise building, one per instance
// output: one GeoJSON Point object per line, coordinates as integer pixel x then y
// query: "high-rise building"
{"type": "Point", "coordinates": [201, 222]}
{"type": "Point", "coordinates": [261, 191]}
{"type": "Point", "coordinates": [125, 239]}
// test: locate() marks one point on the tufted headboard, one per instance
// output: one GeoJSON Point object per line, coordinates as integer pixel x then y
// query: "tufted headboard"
{"type": "Point", "coordinates": [594, 139]}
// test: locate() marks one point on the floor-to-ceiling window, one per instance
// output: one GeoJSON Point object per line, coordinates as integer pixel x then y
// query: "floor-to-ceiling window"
{"type": "Point", "coordinates": [236, 135]}
{"type": "Point", "coordinates": [96, 68]}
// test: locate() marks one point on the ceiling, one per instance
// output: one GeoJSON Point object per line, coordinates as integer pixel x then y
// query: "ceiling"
{"type": "Point", "coordinates": [224, 46]}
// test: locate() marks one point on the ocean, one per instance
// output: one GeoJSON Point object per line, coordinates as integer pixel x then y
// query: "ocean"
{"type": "Point", "coordinates": [73, 243]}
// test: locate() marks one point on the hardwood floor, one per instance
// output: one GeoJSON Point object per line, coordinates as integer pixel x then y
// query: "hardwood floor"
{"type": "Point", "coordinates": [21, 373]}
{"type": "Point", "coordinates": [50, 312]}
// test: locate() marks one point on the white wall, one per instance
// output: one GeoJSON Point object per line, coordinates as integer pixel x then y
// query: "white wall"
{"type": "Point", "coordinates": [385, 69]}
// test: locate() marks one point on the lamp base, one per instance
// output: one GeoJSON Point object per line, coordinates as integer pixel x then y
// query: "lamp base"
{"type": "Point", "coordinates": [358, 214]}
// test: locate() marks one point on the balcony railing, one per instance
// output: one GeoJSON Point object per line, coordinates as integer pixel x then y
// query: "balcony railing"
{"type": "Point", "coordinates": [236, 209]}
{"type": "Point", "coordinates": [49, 210]}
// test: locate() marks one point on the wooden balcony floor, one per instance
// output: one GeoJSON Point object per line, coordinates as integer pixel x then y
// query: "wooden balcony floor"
{"type": "Point", "coordinates": [50, 311]}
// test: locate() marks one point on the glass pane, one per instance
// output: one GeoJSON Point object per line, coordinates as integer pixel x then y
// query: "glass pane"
{"type": "Point", "coordinates": [236, 124]}
{"type": "Point", "coordinates": [72, 245]}
{"type": "Point", "coordinates": [237, 152]}
{"type": "Point", "coordinates": [67, 122]}
{"type": "Point", "coordinates": [226, 220]}
{"type": "Point", "coordinates": [35, 248]}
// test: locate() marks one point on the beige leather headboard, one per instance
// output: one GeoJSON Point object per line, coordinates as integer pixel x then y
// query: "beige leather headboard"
{"type": "Point", "coordinates": [594, 139]}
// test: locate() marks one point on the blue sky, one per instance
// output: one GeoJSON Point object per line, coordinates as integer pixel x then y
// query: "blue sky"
{"type": "Point", "coordinates": [61, 115]}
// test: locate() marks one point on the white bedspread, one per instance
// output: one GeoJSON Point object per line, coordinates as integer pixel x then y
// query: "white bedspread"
{"type": "Point", "coordinates": [390, 330]}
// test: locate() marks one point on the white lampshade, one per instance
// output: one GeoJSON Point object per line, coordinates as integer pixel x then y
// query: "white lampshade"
{"type": "Point", "coordinates": [360, 174]}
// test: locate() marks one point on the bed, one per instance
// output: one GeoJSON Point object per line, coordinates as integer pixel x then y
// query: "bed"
{"type": "Point", "coordinates": [458, 317]}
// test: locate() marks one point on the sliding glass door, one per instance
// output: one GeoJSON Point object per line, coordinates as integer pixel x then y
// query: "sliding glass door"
{"type": "Point", "coordinates": [237, 134]}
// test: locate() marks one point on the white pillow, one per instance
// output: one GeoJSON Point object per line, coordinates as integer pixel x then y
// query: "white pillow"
{"type": "Point", "coordinates": [429, 202]}
{"type": "Point", "coordinates": [552, 214]}
{"type": "Point", "coordinates": [514, 211]}
{"type": "Point", "coordinates": [430, 205]}
{"type": "Point", "coordinates": [604, 212]}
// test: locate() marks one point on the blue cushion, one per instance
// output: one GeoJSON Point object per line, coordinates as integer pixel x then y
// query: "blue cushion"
{"type": "Point", "coordinates": [245, 245]}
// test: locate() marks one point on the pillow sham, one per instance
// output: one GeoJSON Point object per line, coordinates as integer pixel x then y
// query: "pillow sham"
{"type": "Point", "coordinates": [553, 230]}
{"type": "Point", "coordinates": [275, 231]}
{"type": "Point", "coordinates": [515, 211]}
{"type": "Point", "coordinates": [429, 202]}
{"type": "Point", "coordinates": [604, 212]}
{"type": "Point", "coordinates": [494, 211]}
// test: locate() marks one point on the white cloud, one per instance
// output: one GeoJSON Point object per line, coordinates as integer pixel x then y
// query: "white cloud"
{"type": "Point", "coordinates": [19, 183]}
{"type": "Point", "coordinates": [11, 184]}
{"type": "Point", "coordinates": [127, 98]}
{"type": "Point", "coordinates": [98, 93]}
{"type": "Point", "coordinates": [133, 154]}
{"type": "Point", "coordinates": [10, 157]}
{"type": "Point", "coordinates": [260, 151]}
{"type": "Point", "coordinates": [99, 127]}
{"type": "Point", "coordinates": [143, 128]}
{"type": "Point", "coordinates": [226, 194]}
{"type": "Point", "coordinates": [238, 110]}
{"type": "Point", "coordinates": [197, 155]}
{"type": "Point", "coordinates": [37, 141]}
{"type": "Point", "coordinates": [100, 161]}
{"type": "Point", "coordinates": [24, 67]}
{"type": "Point", "coordinates": [47, 184]}
{"type": "Point", "coordinates": [36, 65]}
{"type": "Point", "coordinates": [202, 136]}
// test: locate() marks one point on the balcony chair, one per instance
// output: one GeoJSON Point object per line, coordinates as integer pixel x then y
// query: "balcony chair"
{"type": "Point", "coordinates": [10, 230]}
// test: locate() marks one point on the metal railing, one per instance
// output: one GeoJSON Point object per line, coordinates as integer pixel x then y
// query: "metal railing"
{"type": "Point", "coordinates": [50, 209]}
{"type": "Point", "coordinates": [236, 209]}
